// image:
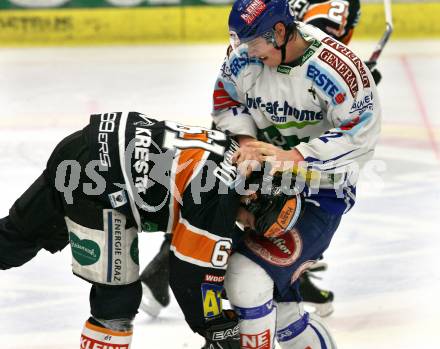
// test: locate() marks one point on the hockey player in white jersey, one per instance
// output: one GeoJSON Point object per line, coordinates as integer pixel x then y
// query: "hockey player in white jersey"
{"type": "Point", "coordinates": [338, 18]}
{"type": "Point", "coordinates": [294, 96]}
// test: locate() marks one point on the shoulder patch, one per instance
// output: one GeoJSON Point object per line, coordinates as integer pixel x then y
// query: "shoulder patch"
{"type": "Point", "coordinates": [342, 68]}
{"type": "Point", "coordinates": [351, 56]}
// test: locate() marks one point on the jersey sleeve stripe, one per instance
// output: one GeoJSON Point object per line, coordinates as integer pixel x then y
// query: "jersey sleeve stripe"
{"type": "Point", "coordinates": [184, 166]}
{"type": "Point", "coordinates": [193, 245]}
{"type": "Point", "coordinates": [222, 99]}
{"type": "Point", "coordinates": [319, 10]}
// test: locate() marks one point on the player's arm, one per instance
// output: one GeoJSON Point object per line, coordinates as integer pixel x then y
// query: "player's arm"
{"type": "Point", "coordinates": [200, 248]}
{"type": "Point", "coordinates": [198, 291]}
{"type": "Point", "coordinates": [229, 112]}
{"type": "Point", "coordinates": [355, 114]}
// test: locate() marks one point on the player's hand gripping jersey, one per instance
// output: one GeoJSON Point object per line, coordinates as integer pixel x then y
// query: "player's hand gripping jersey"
{"type": "Point", "coordinates": [325, 105]}
{"type": "Point", "coordinates": [335, 17]}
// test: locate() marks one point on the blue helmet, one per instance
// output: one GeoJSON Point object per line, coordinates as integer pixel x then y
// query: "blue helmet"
{"type": "Point", "coordinates": [250, 19]}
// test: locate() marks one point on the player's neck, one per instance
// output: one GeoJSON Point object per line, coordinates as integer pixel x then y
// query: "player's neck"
{"type": "Point", "coordinates": [295, 48]}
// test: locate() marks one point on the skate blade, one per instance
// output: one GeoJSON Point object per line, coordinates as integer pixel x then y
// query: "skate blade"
{"type": "Point", "coordinates": [322, 310]}
{"type": "Point", "coordinates": [149, 304]}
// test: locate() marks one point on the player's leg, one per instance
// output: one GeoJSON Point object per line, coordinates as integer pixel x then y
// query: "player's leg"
{"type": "Point", "coordinates": [319, 301]}
{"type": "Point", "coordinates": [284, 258]}
{"type": "Point", "coordinates": [155, 281]}
{"type": "Point", "coordinates": [113, 309]}
{"type": "Point", "coordinates": [36, 219]}
{"type": "Point", "coordinates": [104, 249]}
{"type": "Point", "coordinates": [250, 290]}
{"type": "Point", "coordinates": [299, 329]}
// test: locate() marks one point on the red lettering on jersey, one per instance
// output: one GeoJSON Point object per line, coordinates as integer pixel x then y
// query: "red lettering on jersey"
{"type": "Point", "coordinates": [214, 278]}
{"type": "Point", "coordinates": [342, 68]}
{"type": "Point", "coordinates": [256, 341]}
{"type": "Point", "coordinates": [351, 56]}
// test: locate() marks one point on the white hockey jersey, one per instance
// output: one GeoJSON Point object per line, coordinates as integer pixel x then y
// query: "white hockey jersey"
{"type": "Point", "coordinates": [325, 105]}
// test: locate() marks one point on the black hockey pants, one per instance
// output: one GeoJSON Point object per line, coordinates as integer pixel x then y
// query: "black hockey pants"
{"type": "Point", "coordinates": [36, 221]}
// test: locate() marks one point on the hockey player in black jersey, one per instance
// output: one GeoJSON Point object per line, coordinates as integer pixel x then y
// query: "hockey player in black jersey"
{"type": "Point", "coordinates": [122, 174]}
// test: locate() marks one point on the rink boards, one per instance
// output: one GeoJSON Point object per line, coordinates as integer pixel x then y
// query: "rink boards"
{"type": "Point", "coordinates": [172, 24]}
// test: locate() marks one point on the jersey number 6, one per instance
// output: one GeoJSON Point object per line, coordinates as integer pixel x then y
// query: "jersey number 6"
{"type": "Point", "coordinates": [221, 252]}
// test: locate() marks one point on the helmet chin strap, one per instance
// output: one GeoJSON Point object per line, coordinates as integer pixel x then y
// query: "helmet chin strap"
{"type": "Point", "coordinates": [282, 48]}
{"type": "Point", "coordinates": [283, 52]}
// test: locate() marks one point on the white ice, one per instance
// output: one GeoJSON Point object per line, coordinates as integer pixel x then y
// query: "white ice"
{"type": "Point", "coordinates": [383, 262]}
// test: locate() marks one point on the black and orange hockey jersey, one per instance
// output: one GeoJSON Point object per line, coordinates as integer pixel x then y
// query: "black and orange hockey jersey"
{"type": "Point", "coordinates": [177, 179]}
{"type": "Point", "coordinates": [337, 18]}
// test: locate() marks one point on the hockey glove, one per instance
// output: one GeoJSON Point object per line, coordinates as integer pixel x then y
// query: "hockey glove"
{"type": "Point", "coordinates": [223, 332]}
{"type": "Point", "coordinates": [377, 76]}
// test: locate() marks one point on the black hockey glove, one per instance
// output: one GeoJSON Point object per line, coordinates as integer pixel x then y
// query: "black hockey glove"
{"type": "Point", "coordinates": [223, 332]}
{"type": "Point", "coordinates": [377, 76]}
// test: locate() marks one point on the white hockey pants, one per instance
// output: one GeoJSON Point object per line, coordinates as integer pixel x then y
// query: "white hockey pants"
{"type": "Point", "coordinates": [250, 291]}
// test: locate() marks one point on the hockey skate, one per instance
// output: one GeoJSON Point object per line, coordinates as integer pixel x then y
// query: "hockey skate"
{"type": "Point", "coordinates": [155, 282]}
{"type": "Point", "coordinates": [315, 299]}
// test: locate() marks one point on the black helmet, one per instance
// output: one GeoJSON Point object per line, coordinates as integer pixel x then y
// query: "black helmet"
{"type": "Point", "coordinates": [276, 207]}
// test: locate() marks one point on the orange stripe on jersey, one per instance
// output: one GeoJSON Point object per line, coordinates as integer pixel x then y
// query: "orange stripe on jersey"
{"type": "Point", "coordinates": [317, 10]}
{"type": "Point", "coordinates": [198, 136]}
{"type": "Point", "coordinates": [188, 161]}
{"type": "Point", "coordinates": [191, 244]}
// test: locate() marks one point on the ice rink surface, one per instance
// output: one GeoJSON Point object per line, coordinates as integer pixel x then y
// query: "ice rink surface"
{"type": "Point", "coordinates": [384, 259]}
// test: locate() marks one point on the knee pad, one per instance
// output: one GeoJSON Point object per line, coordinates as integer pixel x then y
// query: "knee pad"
{"type": "Point", "coordinates": [299, 329]}
{"type": "Point", "coordinates": [115, 302]}
{"type": "Point", "coordinates": [241, 273]}
{"type": "Point", "coordinates": [250, 291]}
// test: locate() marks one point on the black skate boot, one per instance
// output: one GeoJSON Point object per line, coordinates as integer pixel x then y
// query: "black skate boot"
{"type": "Point", "coordinates": [155, 281]}
{"type": "Point", "coordinates": [315, 299]}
